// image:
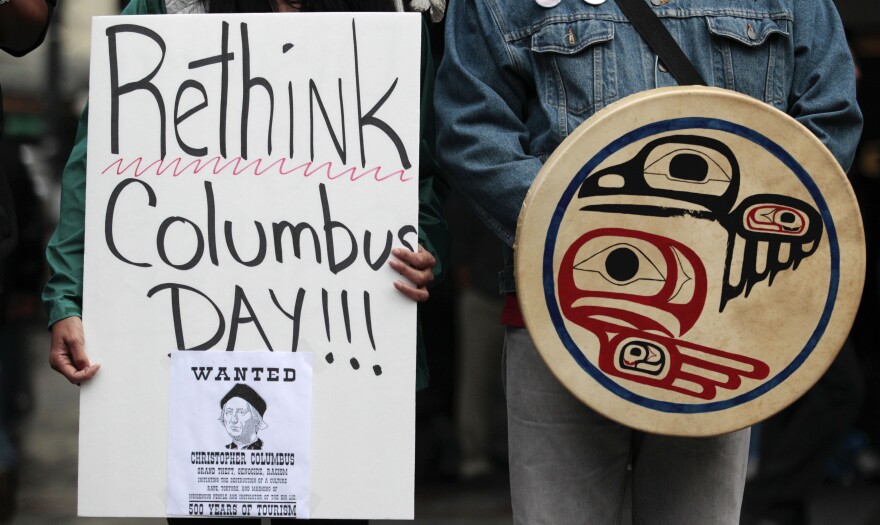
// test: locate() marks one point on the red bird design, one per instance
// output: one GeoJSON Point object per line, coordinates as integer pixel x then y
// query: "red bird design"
{"type": "Point", "coordinates": [638, 293]}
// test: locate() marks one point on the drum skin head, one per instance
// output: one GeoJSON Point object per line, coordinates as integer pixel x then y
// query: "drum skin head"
{"type": "Point", "coordinates": [689, 261]}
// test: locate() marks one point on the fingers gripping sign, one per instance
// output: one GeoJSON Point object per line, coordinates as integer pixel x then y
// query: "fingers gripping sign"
{"type": "Point", "coordinates": [67, 354]}
{"type": "Point", "coordinates": [415, 267]}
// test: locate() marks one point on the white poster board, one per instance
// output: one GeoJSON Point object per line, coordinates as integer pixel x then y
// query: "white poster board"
{"type": "Point", "coordinates": [247, 177]}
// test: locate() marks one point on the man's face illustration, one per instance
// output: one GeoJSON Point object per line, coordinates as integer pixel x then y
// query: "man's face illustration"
{"type": "Point", "coordinates": [238, 418]}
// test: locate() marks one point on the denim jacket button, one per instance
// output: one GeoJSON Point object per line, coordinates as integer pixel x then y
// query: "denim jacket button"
{"type": "Point", "coordinates": [548, 3]}
{"type": "Point", "coordinates": [595, 2]}
{"type": "Point", "coordinates": [750, 31]}
{"type": "Point", "coordinates": [656, 2]}
{"type": "Point", "coordinates": [661, 66]}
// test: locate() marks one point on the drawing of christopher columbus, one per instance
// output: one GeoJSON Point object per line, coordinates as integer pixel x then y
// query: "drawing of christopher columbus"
{"type": "Point", "coordinates": [241, 412]}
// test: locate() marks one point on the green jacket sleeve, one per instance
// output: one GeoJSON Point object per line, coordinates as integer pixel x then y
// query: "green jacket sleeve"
{"type": "Point", "coordinates": [62, 295]}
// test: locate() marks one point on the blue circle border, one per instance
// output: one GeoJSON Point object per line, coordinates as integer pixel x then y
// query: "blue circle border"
{"type": "Point", "coordinates": [646, 131]}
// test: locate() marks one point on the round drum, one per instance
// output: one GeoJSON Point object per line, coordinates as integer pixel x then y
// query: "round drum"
{"type": "Point", "coordinates": [689, 261]}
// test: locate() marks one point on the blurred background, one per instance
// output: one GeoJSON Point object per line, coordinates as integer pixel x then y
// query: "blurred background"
{"type": "Point", "coordinates": [461, 475]}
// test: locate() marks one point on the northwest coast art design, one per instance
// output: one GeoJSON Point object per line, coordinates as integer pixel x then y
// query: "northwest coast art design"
{"type": "Point", "coordinates": [609, 276]}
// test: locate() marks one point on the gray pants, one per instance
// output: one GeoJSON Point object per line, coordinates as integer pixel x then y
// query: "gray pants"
{"type": "Point", "coordinates": [568, 464]}
{"type": "Point", "coordinates": [478, 390]}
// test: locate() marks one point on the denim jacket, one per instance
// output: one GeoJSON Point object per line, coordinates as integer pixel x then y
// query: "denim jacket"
{"type": "Point", "coordinates": [517, 78]}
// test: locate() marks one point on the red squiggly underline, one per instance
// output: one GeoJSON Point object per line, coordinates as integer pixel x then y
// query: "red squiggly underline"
{"type": "Point", "coordinates": [254, 167]}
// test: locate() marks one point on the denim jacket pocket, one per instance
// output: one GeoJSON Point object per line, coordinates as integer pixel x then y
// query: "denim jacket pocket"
{"type": "Point", "coordinates": [744, 46]}
{"type": "Point", "coordinates": [574, 62]}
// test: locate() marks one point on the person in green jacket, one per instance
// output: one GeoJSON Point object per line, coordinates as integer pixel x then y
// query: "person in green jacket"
{"type": "Point", "coordinates": [62, 296]}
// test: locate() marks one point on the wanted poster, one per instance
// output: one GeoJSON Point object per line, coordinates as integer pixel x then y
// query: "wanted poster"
{"type": "Point", "coordinates": [239, 433]}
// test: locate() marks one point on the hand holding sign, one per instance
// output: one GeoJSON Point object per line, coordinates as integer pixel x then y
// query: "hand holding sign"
{"type": "Point", "coordinates": [418, 267]}
{"type": "Point", "coordinates": [67, 354]}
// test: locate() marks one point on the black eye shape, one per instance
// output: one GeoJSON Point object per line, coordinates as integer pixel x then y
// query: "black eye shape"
{"type": "Point", "coordinates": [776, 219]}
{"type": "Point", "coordinates": [622, 264]}
{"type": "Point", "coordinates": [642, 357]}
{"type": "Point", "coordinates": [787, 217]}
{"type": "Point", "coordinates": [689, 167]}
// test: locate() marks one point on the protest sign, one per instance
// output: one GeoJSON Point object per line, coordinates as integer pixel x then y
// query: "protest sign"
{"type": "Point", "coordinates": [247, 178]}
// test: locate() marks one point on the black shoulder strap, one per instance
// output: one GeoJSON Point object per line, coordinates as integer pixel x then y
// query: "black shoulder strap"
{"type": "Point", "coordinates": [658, 38]}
